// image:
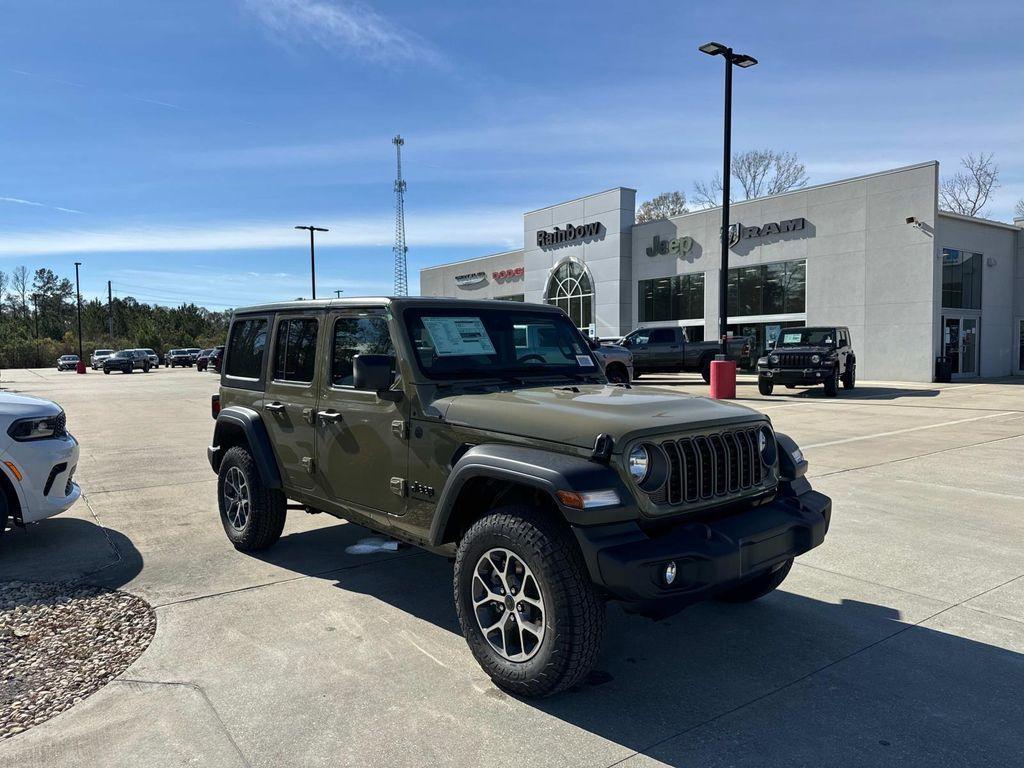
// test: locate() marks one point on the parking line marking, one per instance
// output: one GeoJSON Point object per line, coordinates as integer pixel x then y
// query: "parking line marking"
{"type": "Point", "coordinates": [908, 429]}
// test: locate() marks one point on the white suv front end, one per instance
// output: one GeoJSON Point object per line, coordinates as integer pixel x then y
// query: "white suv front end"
{"type": "Point", "coordinates": [38, 457]}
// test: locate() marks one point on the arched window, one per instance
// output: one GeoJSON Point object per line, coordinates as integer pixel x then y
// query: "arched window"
{"type": "Point", "coordinates": [570, 288]}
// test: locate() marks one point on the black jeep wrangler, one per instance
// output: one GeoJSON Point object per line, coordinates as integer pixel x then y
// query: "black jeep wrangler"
{"type": "Point", "coordinates": [809, 356]}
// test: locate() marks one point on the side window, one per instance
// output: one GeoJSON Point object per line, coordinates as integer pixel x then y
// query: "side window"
{"type": "Point", "coordinates": [662, 336]}
{"type": "Point", "coordinates": [245, 348]}
{"type": "Point", "coordinates": [295, 350]}
{"type": "Point", "coordinates": [366, 334]}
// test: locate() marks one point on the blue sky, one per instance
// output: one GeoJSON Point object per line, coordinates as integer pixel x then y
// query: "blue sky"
{"type": "Point", "coordinates": [172, 146]}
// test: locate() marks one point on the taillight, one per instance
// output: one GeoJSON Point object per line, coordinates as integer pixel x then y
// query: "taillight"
{"type": "Point", "coordinates": [214, 405]}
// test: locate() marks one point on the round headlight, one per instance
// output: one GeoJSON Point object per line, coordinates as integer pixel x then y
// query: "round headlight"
{"type": "Point", "coordinates": [639, 463]}
{"type": "Point", "coordinates": [766, 445]}
{"type": "Point", "coordinates": [773, 359]}
{"type": "Point", "coordinates": [815, 359]}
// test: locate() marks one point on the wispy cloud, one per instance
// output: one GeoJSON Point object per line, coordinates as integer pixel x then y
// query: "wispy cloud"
{"type": "Point", "coordinates": [34, 204]}
{"type": "Point", "coordinates": [484, 228]}
{"type": "Point", "coordinates": [349, 28]}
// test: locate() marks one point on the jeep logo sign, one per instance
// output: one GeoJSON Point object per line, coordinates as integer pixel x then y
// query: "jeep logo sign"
{"type": "Point", "coordinates": [739, 232]}
{"type": "Point", "coordinates": [679, 246]}
{"type": "Point", "coordinates": [568, 234]}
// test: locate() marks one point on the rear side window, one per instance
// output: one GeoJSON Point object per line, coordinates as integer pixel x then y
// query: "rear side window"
{"type": "Point", "coordinates": [245, 348]}
{"type": "Point", "coordinates": [295, 350]}
{"type": "Point", "coordinates": [366, 334]}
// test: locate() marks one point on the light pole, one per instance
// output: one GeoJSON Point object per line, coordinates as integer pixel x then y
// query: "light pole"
{"type": "Point", "coordinates": [78, 302]}
{"type": "Point", "coordinates": [312, 254]}
{"type": "Point", "coordinates": [338, 293]}
{"type": "Point", "coordinates": [740, 60]}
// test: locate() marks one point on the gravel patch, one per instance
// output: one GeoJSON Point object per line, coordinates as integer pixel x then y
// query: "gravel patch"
{"type": "Point", "coordinates": [59, 643]}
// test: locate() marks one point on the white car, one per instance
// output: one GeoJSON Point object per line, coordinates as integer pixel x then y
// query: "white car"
{"type": "Point", "coordinates": [154, 358]}
{"type": "Point", "coordinates": [37, 460]}
{"type": "Point", "coordinates": [96, 361]}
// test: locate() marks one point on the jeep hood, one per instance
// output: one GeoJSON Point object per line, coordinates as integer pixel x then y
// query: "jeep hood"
{"type": "Point", "coordinates": [577, 415]}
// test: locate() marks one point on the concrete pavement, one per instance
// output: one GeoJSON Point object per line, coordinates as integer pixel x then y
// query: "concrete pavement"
{"type": "Point", "coordinates": [899, 641]}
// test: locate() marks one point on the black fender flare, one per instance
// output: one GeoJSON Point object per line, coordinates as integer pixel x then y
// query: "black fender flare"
{"type": "Point", "coordinates": [251, 424]}
{"type": "Point", "coordinates": [547, 471]}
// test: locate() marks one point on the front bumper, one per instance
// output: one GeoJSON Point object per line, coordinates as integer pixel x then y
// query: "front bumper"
{"type": "Point", "coordinates": [47, 468]}
{"type": "Point", "coordinates": [804, 376]}
{"type": "Point", "coordinates": [628, 563]}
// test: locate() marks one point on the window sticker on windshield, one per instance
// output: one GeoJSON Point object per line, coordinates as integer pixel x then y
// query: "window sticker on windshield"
{"type": "Point", "coordinates": [458, 336]}
{"type": "Point", "coordinates": [791, 338]}
{"type": "Point", "coordinates": [584, 361]}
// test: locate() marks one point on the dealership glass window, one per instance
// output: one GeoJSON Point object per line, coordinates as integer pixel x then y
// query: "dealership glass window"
{"type": "Point", "coordinates": [763, 334]}
{"type": "Point", "coordinates": [768, 289]}
{"type": "Point", "coordinates": [295, 350]}
{"type": "Point", "coordinates": [364, 334]}
{"type": "Point", "coordinates": [570, 289]}
{"type": "Point", "coordinates": [961, 279]}
{"type": "Point", "coordinates": [245, 348]}
{"type": "Point", "coordinates": [678, 297]}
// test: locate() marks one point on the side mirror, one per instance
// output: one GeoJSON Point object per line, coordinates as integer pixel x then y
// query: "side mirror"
{"type": "Point", "coordinates": [373, 373]}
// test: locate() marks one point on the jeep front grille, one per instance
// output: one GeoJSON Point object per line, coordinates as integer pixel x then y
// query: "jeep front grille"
{"type": "Point", "coordinates": [717, 466]}
{"type": "Point", "coordinates": [795, 359]}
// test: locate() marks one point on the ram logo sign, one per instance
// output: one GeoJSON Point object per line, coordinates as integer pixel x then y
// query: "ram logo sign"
{"type": "Point", "coordinates": [739, 232]}
{"type": "Point", "coordinates": [567, 235]}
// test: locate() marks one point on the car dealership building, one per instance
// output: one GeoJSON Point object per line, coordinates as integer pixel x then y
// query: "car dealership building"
{"type": "Point", "coordinates": [873, 253]}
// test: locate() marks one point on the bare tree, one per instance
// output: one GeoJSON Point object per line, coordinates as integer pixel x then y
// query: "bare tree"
{"type": "Point", "coordinates": [19, 281]}
{"type": "Point", "coordinates": [968, 191]}
{"type": "Point", "coordinates": [662, 207]}
{"type": "Point", "coordinates": [4, 281]}
{"type": "Point", "coordinates": [1018, 211]}
{"type": "Point", "coordinates": [760, 173]}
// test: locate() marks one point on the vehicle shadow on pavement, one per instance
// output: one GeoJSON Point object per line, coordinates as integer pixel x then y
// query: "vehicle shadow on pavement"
{"type": "Point", "coordinates": [68, 549]}
{"type": "Point", "coordinates": [786, 680]}
{"type": "Point", "coordinates": [859, 393]}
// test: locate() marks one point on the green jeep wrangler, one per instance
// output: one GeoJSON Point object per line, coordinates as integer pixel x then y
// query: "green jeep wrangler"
{"type": "Point", "coordinates": [486, 432]}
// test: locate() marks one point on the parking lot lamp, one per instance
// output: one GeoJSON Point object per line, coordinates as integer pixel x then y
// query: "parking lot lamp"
{"type": "Point", "coordinates": [78, 302]}
{"type": "Point", "coordinates": [312, 253]}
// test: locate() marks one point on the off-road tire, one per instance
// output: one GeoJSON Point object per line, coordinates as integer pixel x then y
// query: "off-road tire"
{"type": "Point", "coordinates": [850, 377]}
{"type": "Point", "coordinates": [765, 387]}
{"type": "Point", "coordinates": [616, 373]}
{"type": "Point", "coordinates": [832, 384]}
{"type": "Point", "coordinates": [106, 371]}
{"type": "Point", "coordinates": [4, 511]}
{"type": "Point", "coordinates": [267, 506]}
{"type": "Point", "coordinates": [705, 369]}
{"type": "Point", "coordinates": [574, 612]}
{"type": "Point", "coordinates": [759, 586]}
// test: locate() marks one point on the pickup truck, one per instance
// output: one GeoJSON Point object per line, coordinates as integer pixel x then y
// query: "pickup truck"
{"type": "Point", "coordinates": [667, 349]}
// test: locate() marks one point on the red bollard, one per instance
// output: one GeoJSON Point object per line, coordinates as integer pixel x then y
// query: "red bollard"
{"type": "Point", "coordinates": [80, 368]}
{"type": "Point", "coordinates": [723, 379]}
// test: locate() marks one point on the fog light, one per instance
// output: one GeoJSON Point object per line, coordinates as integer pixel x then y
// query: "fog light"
{"type": "Point", "coordinates": [670, 573]}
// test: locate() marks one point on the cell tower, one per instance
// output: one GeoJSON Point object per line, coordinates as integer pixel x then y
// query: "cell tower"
{"type": "Point", "coordinates": [401, 275]}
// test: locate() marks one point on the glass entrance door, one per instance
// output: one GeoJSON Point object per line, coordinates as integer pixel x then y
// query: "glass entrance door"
{"type": "Point", "coordinates": [960, 344]}
{"type": "Point", "coordinates": [1020, 345]}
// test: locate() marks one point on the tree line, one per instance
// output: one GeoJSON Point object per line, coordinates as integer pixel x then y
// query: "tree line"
{"type": "Point", "coordinates": [38, 321]}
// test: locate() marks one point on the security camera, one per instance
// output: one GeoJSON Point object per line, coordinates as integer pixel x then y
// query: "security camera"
{"type": "Point", "coordinates": [911, 219]}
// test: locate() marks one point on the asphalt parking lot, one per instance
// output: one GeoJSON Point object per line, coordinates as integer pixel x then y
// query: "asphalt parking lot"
{"type": "Point", "coordinates": [900, 641]}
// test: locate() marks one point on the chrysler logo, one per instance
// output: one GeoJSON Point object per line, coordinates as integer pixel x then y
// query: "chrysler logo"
{"type": "Point", "coordinates": [739, 232]}
{"type": "Point", "coordinates": [471, 279]}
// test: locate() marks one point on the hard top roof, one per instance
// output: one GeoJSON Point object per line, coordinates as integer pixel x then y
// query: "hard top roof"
{"type": "Point", "coordinates": [384, 301]}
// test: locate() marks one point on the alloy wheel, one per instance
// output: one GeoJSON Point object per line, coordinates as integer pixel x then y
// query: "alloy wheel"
{"type": "Point", "coordinates": [508, 605]}
{"type": "Point", "coordinates": [236, 498]}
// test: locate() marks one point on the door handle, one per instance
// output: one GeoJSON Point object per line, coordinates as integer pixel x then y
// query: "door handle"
{"type": "Point", "coordinates": [331, 417]}
{"type": "Point", "coordinates": [274, 406]}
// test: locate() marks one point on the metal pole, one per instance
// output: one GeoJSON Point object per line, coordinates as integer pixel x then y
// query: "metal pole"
{"type": "Point", "coordinates": [78, 301]}
{"type": "Point", "coordinates": [110, 310]}
{"type": "Point", "coordinates": [723, 296]}
{"type": "Point", "coordinates": [312, 262]}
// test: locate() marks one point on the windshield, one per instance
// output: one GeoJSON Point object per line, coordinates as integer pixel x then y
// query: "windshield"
{"type": "Point", "coordinates": [471, 343]}
{"type": "Point", "coordinates": [123, 353]}
{"type": "Point", "coordinates": [104, 352]}
{"type": "Point", "coordinates": [807, 337]}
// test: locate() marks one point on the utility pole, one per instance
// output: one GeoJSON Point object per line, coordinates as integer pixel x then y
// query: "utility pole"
{"type": "Point", "coordinates": [338, 293]}
{"type": "Point", "coordinates": [312, 253]}
{"type": "Point", "coordinates": [78, 303]}
{"type": "Point", "coordinates": [110, 311]}
{"type": "Point", "coordinates": [400, 249]}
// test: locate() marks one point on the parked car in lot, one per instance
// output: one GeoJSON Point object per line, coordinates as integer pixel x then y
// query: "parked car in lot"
{"type": "Point", "coordinates": [489, 434]}
{"type": "Point", "coordinates": [667, 350]}
{"type": "Point", "coordinates": [37, 460]}
{"type": "Point", "coordinates": [67, 362]}
{"type": "Point", "coordinates": [154, 358]}
{"type": "Point", "coordinates": [806, 357]}
{"type": "Point", "coordinates": [128, 361]}
{"type": "Point", "coordinates": [203, 359]}
{"type": "Point", "coordinates": [178, 357]}
{"type": "Point", "coordinates": [615, 361]}
{"type": "Point", "coordinates": [194, 353]}
{"type": "Point", "coordinates": [98, 356]}
{"type": "Point", "coordinates": [214, 360]}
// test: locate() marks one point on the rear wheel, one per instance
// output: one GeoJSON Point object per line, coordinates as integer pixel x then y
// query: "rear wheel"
{"type": "Point", "coordinates": [252, 515]}
{"type": "Point", "coordinates": [759, 586]}
{"type": "Point", "coordinates": [530, 614]}
{"type": "Point", "coordinates": [765, 387]}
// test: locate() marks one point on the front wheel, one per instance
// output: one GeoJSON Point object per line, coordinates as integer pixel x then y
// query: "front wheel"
{"type": "Point", "coordinates": [252, 514]}
{"type": "Point", "coordinates": [850, 377]}
{"type": "Point", "coordinates": [106, 371]}
{"type": "Point", "coordinates": [765, 387]}
{"type": "Point", "coordinates": [617, 374]}
{"type": "Point", "coordinates": [528, 610]}
{"type": "Point", "coordinates": [832, 385]}
{"type": "Point", "coordinates": [705, 370]}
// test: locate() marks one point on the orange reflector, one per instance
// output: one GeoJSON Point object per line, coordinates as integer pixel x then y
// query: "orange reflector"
{"type": "Point", "coordinates": [570, 499]}
{"type": "Point", "coordinates": [14, 470]}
